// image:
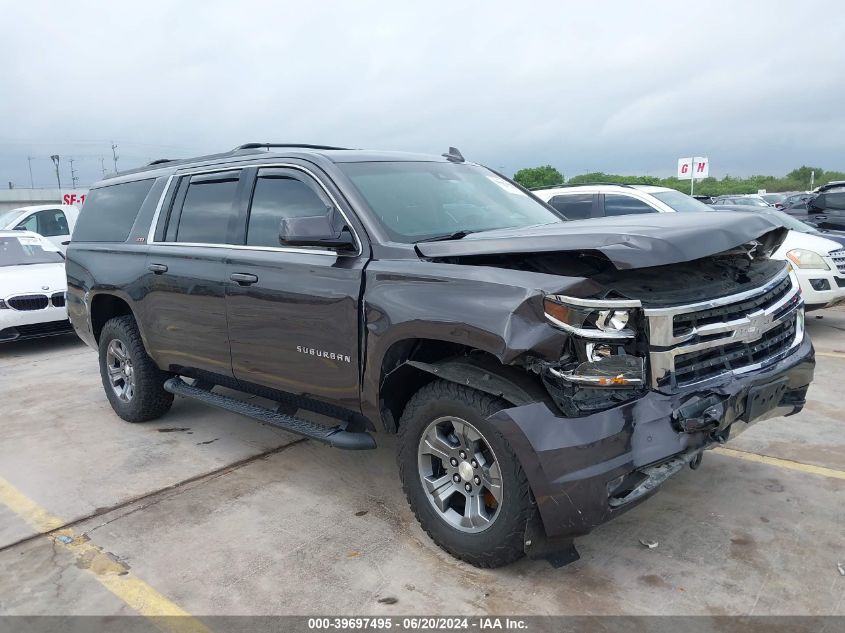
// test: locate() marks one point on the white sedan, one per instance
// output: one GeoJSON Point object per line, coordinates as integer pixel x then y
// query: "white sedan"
{"type": "Point", "coordinates": [819, 264]}
{"type": "Point", "coordinates": [32, 287]}
{"type": "Point", "coordinates": [53, 221]}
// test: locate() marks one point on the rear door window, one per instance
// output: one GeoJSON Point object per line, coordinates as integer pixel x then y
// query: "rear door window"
{"type": "Point", "coordinates": [109, 212]}
{"type": "Point", "coordinates": [576, 206]}
{"type": "Point", "coordinates": [208, 212]}
{"type": "Point", "coordinates": [619, 204]}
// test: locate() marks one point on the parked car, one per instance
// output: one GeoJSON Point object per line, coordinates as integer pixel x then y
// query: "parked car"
{"type": "Point", "coordinates": [543, 376]}
{"type": "Point", "coordinates": [578, 202]}
{"type": "Point", "coordinates": [796, 203]}
{"type": "Point", "coordinates": [818, 257]}
{"type": "Point", "coordinates": [704, 199]}
{"type": "Point", "coordinates": [819, 264]}
{"type": "Point", "coordinates": [751, 200]}
{"type": "Point", "coordinates": [32, 287]}
{"type": "Point", "coordinates": [773, 199]}
{"type": "Point", "coordinates": [53, 221]}
{"type": "Point", "coordinates": [827, 206]}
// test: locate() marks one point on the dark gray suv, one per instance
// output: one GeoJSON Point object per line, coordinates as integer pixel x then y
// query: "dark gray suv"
{"type": "Point", "coordinates": [543, 376]}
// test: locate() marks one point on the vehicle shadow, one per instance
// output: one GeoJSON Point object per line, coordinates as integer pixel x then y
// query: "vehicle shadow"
{"type": "Point", "coordinates": [40, 346]}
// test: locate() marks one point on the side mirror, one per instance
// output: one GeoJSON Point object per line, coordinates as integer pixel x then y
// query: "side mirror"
{"type": "Point", "coordinates": [326, 231]}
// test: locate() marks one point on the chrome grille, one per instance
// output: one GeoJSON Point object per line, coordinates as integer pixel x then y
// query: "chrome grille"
{"type": "Point", "coordinates": [684, 323]}
{"type": "Point", "coordinates": [28, 302]}
{"type": "Point", "coordinates": [708, 363]}
{"type": "Point", "coordinates": [738, 333]}
{"type": "Point", "coordinates": [838, 258]}
{"type": "Point", "coordinates": [58, 299]}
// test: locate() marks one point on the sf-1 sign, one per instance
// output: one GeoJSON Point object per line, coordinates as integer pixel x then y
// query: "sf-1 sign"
{"type": "Point", "coordinates": [75, 197]}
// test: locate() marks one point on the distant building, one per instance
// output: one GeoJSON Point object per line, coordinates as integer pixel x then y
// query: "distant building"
{"type": "Point", "coordinates": [13, 198]}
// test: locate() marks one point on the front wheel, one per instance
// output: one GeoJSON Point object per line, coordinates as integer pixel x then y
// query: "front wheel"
{"type": "Point", "coordinates": [133, 383]}
{"type": "Point", "coordinates": [461, 477]}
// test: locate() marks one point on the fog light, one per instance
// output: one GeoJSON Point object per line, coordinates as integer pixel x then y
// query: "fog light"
{"type": "Point", "coordinates": [820, 284]}
{"type": "Point", "coordinates": [612, 371]}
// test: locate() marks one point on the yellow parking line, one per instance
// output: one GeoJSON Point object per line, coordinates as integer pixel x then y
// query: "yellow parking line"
{"type": "Point", "coordinates": [831, 354]}
{"type": "Point", "coordinates": [109, 572]}
{"type": "Point", "coordinates": [781, 463]}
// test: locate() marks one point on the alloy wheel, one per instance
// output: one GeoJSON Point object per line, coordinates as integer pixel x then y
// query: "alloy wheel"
{"type": "Point", "coordinates": [120, 370]}
{"type": "Point", "coordinates": [460, 474]}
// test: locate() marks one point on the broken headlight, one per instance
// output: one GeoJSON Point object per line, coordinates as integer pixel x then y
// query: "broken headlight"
{"type": "Point", "coordinates": [594, 319]}
{"type": "Point", "coordinates": [604, 359]}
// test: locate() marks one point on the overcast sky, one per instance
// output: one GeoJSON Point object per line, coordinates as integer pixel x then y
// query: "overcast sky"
{"type": "Point", "coordinates": [585, 86]}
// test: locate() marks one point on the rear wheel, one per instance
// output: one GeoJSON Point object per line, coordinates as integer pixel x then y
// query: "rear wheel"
{"type": "Point", "coordinates": [133, 383]}
{"type": "Point", "coordinates": [461, 477]}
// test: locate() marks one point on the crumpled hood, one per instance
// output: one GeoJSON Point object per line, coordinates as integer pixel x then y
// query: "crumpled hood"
{"type": "Point", "coordinates": [628, 241]}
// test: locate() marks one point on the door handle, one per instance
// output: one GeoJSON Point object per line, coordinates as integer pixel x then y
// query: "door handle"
{"type": "Point", "coordinates": [244, 279]}
{"type": "Point", "coordinates": [157, 268]}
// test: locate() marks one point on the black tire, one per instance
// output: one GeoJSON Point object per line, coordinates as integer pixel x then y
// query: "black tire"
{"type": "Point", "coordinates": [149, 400]}
{"type": "Point", "coordinates": [503, 541]}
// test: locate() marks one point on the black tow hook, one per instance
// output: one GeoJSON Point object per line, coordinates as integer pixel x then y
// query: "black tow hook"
{"type": "Point", "coordinates": [695, 462]}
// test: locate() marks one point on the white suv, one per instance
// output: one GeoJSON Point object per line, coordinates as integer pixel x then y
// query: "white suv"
{"type": "Point", "coordinates": [579, 202]}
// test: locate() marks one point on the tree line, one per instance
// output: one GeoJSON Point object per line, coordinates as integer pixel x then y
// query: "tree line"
{"type": "Point", "coordinates": [796, 180]}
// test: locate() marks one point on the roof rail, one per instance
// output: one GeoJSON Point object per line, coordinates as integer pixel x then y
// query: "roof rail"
{"type": "Point", "coordinates": [580, 184]}
{"type": "Point", "coordinates": [160, 161]}
{"type": "Point", "coordinates": [269, 145]}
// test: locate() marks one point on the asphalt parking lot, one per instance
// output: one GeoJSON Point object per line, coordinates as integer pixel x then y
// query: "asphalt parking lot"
{"type": "Point", "coordinates": [205, 512]}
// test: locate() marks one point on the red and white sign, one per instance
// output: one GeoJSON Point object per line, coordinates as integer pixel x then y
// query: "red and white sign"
{"type": "Point", "coordinates": [75, 197]}
{"type": "Point", "coordinates": [693, 167]}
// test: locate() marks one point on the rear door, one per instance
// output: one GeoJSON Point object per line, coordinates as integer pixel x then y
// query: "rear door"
{"type": "Point", "coordinates": [185, 304]}
{"type": "Point", "coordinates": [293, 313]}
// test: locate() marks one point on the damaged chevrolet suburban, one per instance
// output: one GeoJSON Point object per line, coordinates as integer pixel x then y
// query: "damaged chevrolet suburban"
{"type": "Point", "coordinates": [543, 375]}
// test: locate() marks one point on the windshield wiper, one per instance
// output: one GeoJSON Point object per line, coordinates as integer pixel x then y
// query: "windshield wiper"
{"type": "Point", "coordinates": [457, 235]}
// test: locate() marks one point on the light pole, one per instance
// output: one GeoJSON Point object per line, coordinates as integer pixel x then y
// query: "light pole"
{"type": "Point", "coordinates": [55, 158]}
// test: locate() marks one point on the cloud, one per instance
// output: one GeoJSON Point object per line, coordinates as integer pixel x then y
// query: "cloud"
{"type": "Point", "coordinates": [607, 86]}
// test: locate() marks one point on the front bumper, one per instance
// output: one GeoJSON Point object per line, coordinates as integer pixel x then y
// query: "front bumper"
{"type": "Point", "coordinates": [830, 284]}
{"type": "Point", "coordinates": [18, 325]}
{"type": "Point", "coordinates": [579, 468]}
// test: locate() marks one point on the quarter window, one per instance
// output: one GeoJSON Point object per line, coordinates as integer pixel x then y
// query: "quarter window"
{"type": "Point", "coordinates": [277, 196]}
{"type": "Point", "coordinates": [617, 204]}
{"type": "Point", "coordinates": [109, 212]}
{"type": "Point", "coordinates": [209, 211]}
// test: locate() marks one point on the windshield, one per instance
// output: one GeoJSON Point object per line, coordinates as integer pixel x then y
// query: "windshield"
{"type": "Point", "coordinates": [8, 216]}
{"type": "Point", "coordinates": [681, 201]}
{"type": "Point", "coordinates": [423, 200]}
{"type": "Point", "coordinates": [773, 197]}
{"type": "Point", "coordinates": [22, 250]}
